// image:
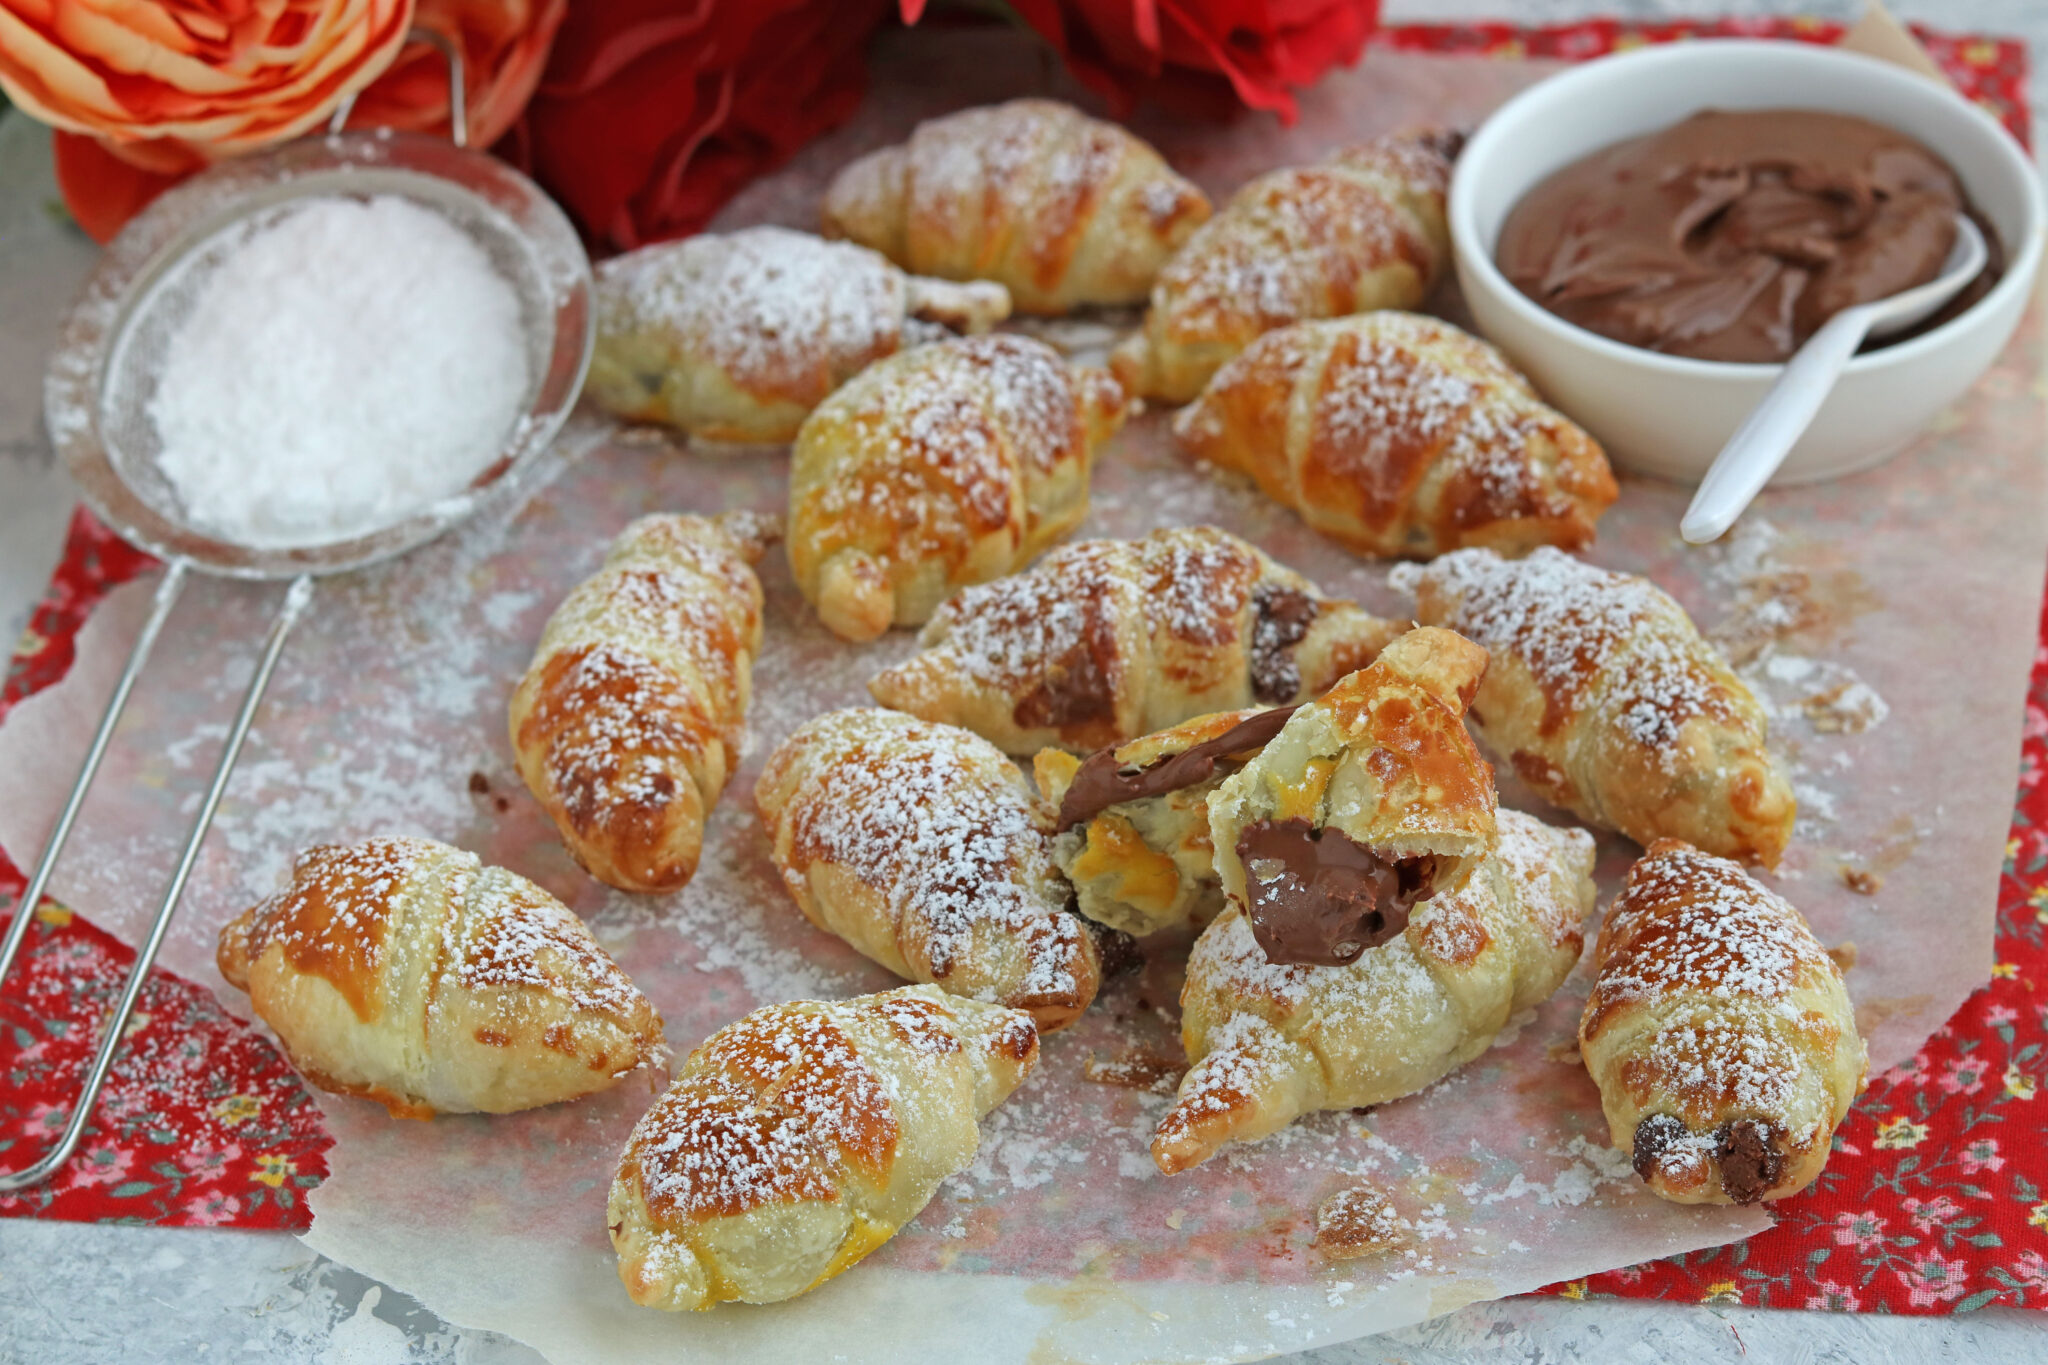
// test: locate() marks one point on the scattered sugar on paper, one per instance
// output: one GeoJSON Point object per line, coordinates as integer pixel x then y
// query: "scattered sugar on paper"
{"type": "Point", "coordinates": [346, 362]}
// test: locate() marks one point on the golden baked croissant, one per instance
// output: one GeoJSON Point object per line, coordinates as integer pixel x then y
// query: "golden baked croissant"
{"type": "Point", "coordinates": [628, 721]}
{"type": "Point", "coordinates": [799, 1139]}
{"type": "Point", "coordinates": [943, 466]}
{"type": "Point", "coordinates": [407, 972]}
{"type": "Point", "coordinates": [1361, 230]}
{"type": "Point", "coordinates": [1271, 1042]}
{"type": "Point", "coordinates": [736, 337]}
{"type": "Point", "coordinates": [1396, 434]}
{"type": "Point", "coordinates": [1719, 1032]}
{"type": "Point", "coordinates": [1106, 640]}
{"type": "Point", "coordinates": [1606, 701]}
{"type": "Point", "coordinates": [920, 845]}
{"type": "Point", "coordinates": [1131, 822]}
{"type": "Point", "coordinates": [1062, 208]}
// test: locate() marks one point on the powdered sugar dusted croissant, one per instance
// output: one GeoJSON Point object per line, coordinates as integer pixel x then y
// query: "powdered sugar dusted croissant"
{"type": "Point", "coordinates": [1105, 640]}
{"type": "Point", "coordinates": [1062, 208]}
{"type": "Point", "coordinates": [737, 336]}
{"type": "Point", "coordinates": [1272, 1042]}
{"type": "Point", "coordinates": [799, 1139]}
{"type": "Point", "coordinates": [1397, 434]}
{"type": "Point", "coordinates": [406, 972]}
{"type": "Point", "coordinates": [920, 845]}
{"type": "Point", "coordinates": [629, 719]}
{"type": "Point", "coordinates": [1606, 700]}
{"type": "Point", "coordinates": [1719, 1032]}
{"type": "Point", "coordinates": [1131, 822]}
{"type": "Point", "coordinates": [944, 466]}
{"type": "Point", "coordinates": [1361, 230]}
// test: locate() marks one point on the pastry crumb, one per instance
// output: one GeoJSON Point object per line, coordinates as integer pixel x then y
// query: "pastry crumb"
{"type": "Point", "coordinates": [1844, 954]}
{"type": "Point", "coordinates": [1141, 1070]}
{"type": "Point", "coordinates": [1173, 1220]}
{"type": "Point", "coordinates": [1359, 1221]}
{"type": "Point", "coordinates": [1566, 1051]}
{"type": "Point", "coordinates": [1861, 880]}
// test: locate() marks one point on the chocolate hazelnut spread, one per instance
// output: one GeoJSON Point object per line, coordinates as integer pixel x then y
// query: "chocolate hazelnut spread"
{"type": "Point", "coordinates": [1281, 618]}
{"type": "Point", "coordinates": [1318, 897]}
{"type": "Point", "coordinates": [1102, 782]}
{"type": "Point", "coordinates": [1750, 1160]}
{"type": "Point", "coordinates": [1734, 235]}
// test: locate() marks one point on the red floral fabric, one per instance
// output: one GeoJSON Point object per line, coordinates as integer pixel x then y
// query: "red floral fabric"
{"type": "Point", "coordinates": [1936, 1199]}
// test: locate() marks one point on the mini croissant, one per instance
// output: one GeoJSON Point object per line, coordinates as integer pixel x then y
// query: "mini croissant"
{"type": "Point", "coordinates": [1719, 1032]}
{"type": "Point", "coordinates": [736, 337]}
{"type": "Point", "coordinates": [1362, 230]}
{"type": "Point", "coordinates": [1271, 1042]}
{"type": "Point", "coordinates": [940, 467]}
{"type": "Point", "coordinates": [1398, 435]}
{"type": "Point", "coordinates": [1063, 209]}
{"type": "Point", "coordinates": [628, 721]}
{"type": "Point", "coordinates": [406, 972]}
{"type": "Point", "coordinates": [1606, 701]}
{"type": "Point", "coordinates": [920, 845]}
{"type": "Point", "coordinates": [801, 1138]}
{"type": "Point", "coordinates": [1106, 640]}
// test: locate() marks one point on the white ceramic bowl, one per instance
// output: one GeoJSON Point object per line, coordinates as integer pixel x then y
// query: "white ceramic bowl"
{"type": "Point", "coordinates": [1670, 415]}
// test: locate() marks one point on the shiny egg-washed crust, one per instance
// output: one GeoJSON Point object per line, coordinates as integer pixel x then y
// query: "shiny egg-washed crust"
{"type": "Point", "coordinates": [1719, 1032]}
{"type": "Point", "coordinates": [1062, 209]}
{"type": "Point", "coordinates": [1605, 699]}
{"type": "Point", "coordinates": [1106, 640]}
{"type": "Point", "coordinates": [1270, 1043]}
{"type": "Point", "coordinates": [921, 846]}
{"type": "Point", "coordinates": [406, 972]}
{"type": "Point", "coordinates": [799, 1139]}
{"type": "Point", "coordinates": [947, 465]}
{"type": "Point", "coordinates": [1383, 757]}
{"type": "Point", "coordinates": [1146, 865]}
{"type": "Point", "coordinates": [1398, 435]}
{"type": "Point", "coordinates": [1361, 230]}
{"type": "Point", "coordinates": [629, 719]}
{"type": "Point", "coordinates": [737, 336]}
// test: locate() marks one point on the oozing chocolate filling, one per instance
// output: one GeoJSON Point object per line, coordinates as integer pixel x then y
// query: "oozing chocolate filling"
{"type": "Point", "coordinates": [1318, 897]}
{"type": "Point", "coordinates": [1102, 782]}
{"type": "Point", "coordinates": [1280, 619]}
{"type": "Point", "coordinates": [1654, 1135]}
{"type": "Point", "coordinates": [1750, 1159]}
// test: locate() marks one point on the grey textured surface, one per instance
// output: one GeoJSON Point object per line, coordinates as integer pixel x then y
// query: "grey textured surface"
{"type": "Point", "coordinates": [83, 1293]}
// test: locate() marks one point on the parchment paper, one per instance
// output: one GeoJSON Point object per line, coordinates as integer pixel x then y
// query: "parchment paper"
{"type": "Point", "coordinates": [1910, 590]}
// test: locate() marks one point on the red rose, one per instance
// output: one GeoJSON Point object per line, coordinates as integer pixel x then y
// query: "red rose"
{"type": "Point", "coordinates": [653, 112]}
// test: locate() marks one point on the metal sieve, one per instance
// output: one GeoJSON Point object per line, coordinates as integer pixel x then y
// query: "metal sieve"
{"type": "Point", "coordinates": [104, 373]}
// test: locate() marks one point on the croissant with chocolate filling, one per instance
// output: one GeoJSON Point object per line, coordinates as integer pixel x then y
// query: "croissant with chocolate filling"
{"type": "Point", "coordinates": [801, 1138]}
{"type": "Point", "coordinates": [1106, 640]}
{"type": "Point", "coordinates": [1399, 435]}
{"type": "Point", "coordinates": [1605, 700]}
{"type": "Point", "coordinates": [1719, 1032]}
{"type": "Point", "coordinates": [628, 721]}
{"type": "Point", "coordinates": [1062, 208]}
{"type": "Point", "coordinates": [407, 972]}
{"type": "Point", "coordinates": [736, 337]}
{"type": "Point", "coordinates": [947, 465]}
{"type": "Point", "coordinates": [1273, 1041]}
{"type": "Point", "coordinates": [1361, 230]}
{"type": "Point", "coordinates": [1131, 822]}
{"type": "Point", "coordinates": [920, 845]}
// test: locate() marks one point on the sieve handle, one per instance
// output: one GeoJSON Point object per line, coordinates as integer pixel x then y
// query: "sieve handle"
{"type": "Point", "coordinates": [458, 88]}
{"type": "Point", "coordinates": [116, 1023]}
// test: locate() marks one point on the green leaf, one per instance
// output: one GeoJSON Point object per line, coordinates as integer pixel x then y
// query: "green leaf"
{"type": "Point", "coordinates": [1976, 1300]}
{"type": "Point", "coordinates": [1985, 1239]}
{"type": "Point", "coordinates": [131, 1189]}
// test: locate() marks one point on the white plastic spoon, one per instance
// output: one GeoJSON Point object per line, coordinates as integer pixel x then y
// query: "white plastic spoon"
{"type": "Point", "coordinates": [1756, 450]}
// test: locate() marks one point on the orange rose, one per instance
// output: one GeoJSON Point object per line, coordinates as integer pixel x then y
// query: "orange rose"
{"type": "Point", "coordinates": [170, 85]}
{"type": "Point", "coordinates": [504, 46]}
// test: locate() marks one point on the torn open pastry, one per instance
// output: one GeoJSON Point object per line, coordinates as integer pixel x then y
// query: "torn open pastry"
{"type": "Point", "coordinates": [921, 846]}
{"type": "Point", "coordinates": [801, 1138]}
{"type": "Point", "coordinates": [947, 465]}
{"type": "Point", "coordinates": [1605, 699]}
{"type": "Point", "coordinates": [1398, 435]}
{"type": "Point", "coordinates": [1719, 1032]}
{"type": "Point", "coordinates": [1106, 640]}
{"type": "Point", "coordinates": [1360, 230]}
{"type": "Point", "coordinates": [737, 336]}
{"type": "Point", "coordinates": [1131, 822]}
{"type": "Point", "coordinates": [1061, 208]}
{"type": "Point", "coordinates": [407, 972]}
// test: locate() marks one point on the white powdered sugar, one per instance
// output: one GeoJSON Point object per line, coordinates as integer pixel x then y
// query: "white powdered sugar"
{"type": "Point", "coordinates": [346, 363]}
